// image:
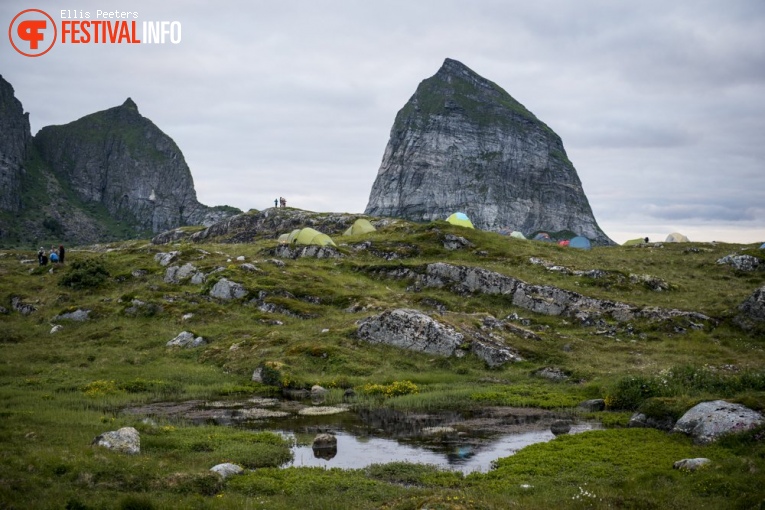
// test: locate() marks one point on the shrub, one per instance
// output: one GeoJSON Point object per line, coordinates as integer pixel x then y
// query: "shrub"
{"type": "Point", "coordinates": [85, 274]}
{"type": "Point", "coordinates": [394, 389]}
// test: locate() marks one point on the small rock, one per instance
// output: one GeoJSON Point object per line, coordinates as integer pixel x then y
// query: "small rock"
{"type": "Point", "coordinates": [78, 315]}
{"type": "Point", "coordinates": [249, 267]}
{"type": "Point", "coordinates": [560, 427]}
{"type": "Point", "coordinates": [552, 373]}
{"type": "Point", "coordinates": [257, 375]}
{"type": "Point", "coordinates": [349, 394]}
{"type": "Point", "coordinates": [165, 259]}
{"type": "Point", "coordinates": [137, 273]}
{"type": "Point", "coordinates": [324, 441]}
{"type": "Point", "coordinates": [318, 391]}
{"type": "Point", "coordinates": [640, 420]}
{"type": "Point", "coordinates": [187, 340]}
{"type": "Point", "coordinates": [187, 316]}
{"type": "Point", "coordinates": [227, 469]}
{"type": "Point", "coordinates": [240, 258]}
{"type": "Point", "coordinates": [125, 440]}
{"type": "Point", "coordinates": [691, 464]}
{"type": "Point", "coordinates": [225, 289]}
{"type": "Point", "coordinates": [23, 308]}
{"type": "Point", "coordinates": [56, 329]}
{"type": "Point", "coordinates": [3, 310]}
{"type": "Point", "coordinates": [325, 330]}
{"type": "Point", "coordinates": [452, 242]}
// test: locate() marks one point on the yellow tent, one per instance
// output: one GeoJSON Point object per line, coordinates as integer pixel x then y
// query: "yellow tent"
{"type": "Point", "coordinates": [517, 235]}
{"type": "Point", "coordinates": [675, 237]}
{"type": "Point", "coordinates": [460, 219]}
{"type": "Point", "coordinates": [360, 226]}
{"type": "Point", "coordinates": [284, 238]}
{"type": "Point", "coordinates": [634, 242]}
{"type": "Point", "coordinates": [311, 236]}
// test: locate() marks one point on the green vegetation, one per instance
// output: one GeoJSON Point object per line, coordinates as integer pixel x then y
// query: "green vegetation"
{"type": "Point", "coordinates": [58, 391]}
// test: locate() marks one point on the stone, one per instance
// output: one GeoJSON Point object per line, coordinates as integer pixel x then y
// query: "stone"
{"type": "Point", "coordinates": [249, 267]}
{"type": "Point", "coordinates": [707, 421]}
{"type": "Point", "coordinates": [175, 274]}
{"type": "Point", "coordinates": [691, 464]}
{"type": "Point", "coordinates": [752, 310]}
{"type": "Point", "coordinates": [321, 411]}
{"type": "Point", "coordinates": [461, 143]}
{"type": "Point", "coordinates": [316, 252]}
{"type": "Point", "coordinates": [744, 263]}
{"type": "Point", "coordinates": [411, 330]}
{"type": "Point", "coordinates": [322, 441]}
{"type": "Point", "coordinates": [240, 258]}
{"type": "Point", "coordinates": [78, 315]}
{"type": "Point", "coordinates": [452, 242]}
{"type": "Point", "coordinates": [318, 391]}
{"type": "Point", "coordinates": [257, 375]}
{"type": "Point", "coordinates": [125, 440]}
{"type": "Point", "coordinates": [165, 259]}
{"type": "Point", "coordinates": [187, 316]}
{"type": "Point", "coordinates": [227, 470]}
{"type": "Point", "coordinates": [593, 405]}
{"type": "Point", "coordinates": [23, 308]}
{"type": "Point", "coordinates": [186, 340]}
{"type": "Point", "coordinates": [226, 289]}
{"type": "Point", "coordinates": [553, 374]}
{"type": "Point", "coordinates": [56, 329]}
{"type": "Point", "coordinates": [560, 427]}
{"type": "Point", "coordinates": [640, 420]}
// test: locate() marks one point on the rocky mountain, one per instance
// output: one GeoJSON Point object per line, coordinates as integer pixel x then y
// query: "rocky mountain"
{"type": "Point", "coordinates": [461, 143]}
{"type": "Point", "coordinates": [109, 175]}
{"type": "Point", "coordinates": [15, 137]}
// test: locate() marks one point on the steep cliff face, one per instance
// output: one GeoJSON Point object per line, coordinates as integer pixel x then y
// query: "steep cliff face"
{"type": "Point", "coordinates": [462, 143]}
{"type": "Point", "coordinates": [15, 137]}
{"type": "Point", "coordinates": [119, 159]}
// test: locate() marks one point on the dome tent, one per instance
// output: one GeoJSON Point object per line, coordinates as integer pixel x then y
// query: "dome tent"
{"type": "Point", "coordinates": [460, 219]}
{"type": "Point", "coordinates": [360, 226]}
{"type": "Point", "coordinates": [284, 238]}
{"type": "Point", "coordinates": [676, 237]}
{"type": "Point", "coordinates": [544, 237]}
{"type": "Point", "coordinates": [581, 243]}
{"type": "Point", "coordinates": [309, 236]}
{"type": "Point", "coordinates": [635, 242]}
{"type": "Point", "coordinates": [763, 246]}
{"type": "Point", "coordinates": [517, 235]}
{"type": "Point", "coordinates": [292, 235]}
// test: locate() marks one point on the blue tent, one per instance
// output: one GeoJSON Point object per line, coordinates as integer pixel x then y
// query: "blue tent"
{"type": "Point", "coordinates": [544, 237]}
{"type": "Point", "coordinates": [580, 242]}
{"type": "Point", "coordinates": [763, 246]}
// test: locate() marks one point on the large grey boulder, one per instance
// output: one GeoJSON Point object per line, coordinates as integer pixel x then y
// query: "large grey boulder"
{"type": "Point", "coordinates": [461, 143]}
{"type": "Point", "coordinates": [412, 330]}
{"type": "Point", "coordinates": [175, 274]}
{"type": "Point", "coordinates": [165, 259]}
{"type": "Point", "coordinates": [752, 310]}
{"type": "Point", "coordinates": [125, 440]}
{"type": "Point", "coordinates": [416, 331]}
{"type": "Point", "coordinates": [744, 263]}
{"type": "Point", "coordinates": [20, 306]}
{"type": "Point", "coordinates": [226, 289]}
{"type": "Point", "coordinates": [78, 315]}
{"type": "Point", "coordinates": [707, 421]}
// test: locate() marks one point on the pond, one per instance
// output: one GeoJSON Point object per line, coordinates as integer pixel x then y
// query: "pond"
{"type": "Point", "coordinates": [467, 442]}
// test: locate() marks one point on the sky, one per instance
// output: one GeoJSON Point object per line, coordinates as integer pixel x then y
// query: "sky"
{"type": "Point", "coordinates": [660, 105]}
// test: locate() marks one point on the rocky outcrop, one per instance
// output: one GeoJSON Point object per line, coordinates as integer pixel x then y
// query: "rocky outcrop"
{"type": "Point", "coordinates": [15, 138]}
{"type": "Point", "coordinates": [461, 143]}
{"type": "Point", "coordinates": [186, 340]}
{"type": "Point", "coordinates": [707, 421]}
{"type": "Point", "coordinates": [125, 440]}
{"type": "Point", "coordinates": [227, 290]}
{"type": "Point", "coordinates": [416, 331]}
{"type": "Point", "coordinates": [119, 159]}
{"type": "Point", "coordinates": [744, 263]}
{"type": "Point", "coordinates": [752, 310]}
{"type": "Point", "coordinates": [227, 470]}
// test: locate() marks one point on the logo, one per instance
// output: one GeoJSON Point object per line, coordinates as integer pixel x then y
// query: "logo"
{"type": "Point", "coordinates": [32, 32]}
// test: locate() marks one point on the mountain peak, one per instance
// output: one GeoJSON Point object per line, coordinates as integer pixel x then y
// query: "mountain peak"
{"type": "Point", "coordinates": [129, 103]}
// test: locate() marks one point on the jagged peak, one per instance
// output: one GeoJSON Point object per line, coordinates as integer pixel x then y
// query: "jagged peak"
{"type": "Point", "coordinates": [129, 103]}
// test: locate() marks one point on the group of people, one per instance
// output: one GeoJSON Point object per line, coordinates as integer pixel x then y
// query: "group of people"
{"type": "Point", "coordinates": [280, 202]}
{"type": "Point", "coordinates": [56, 256]}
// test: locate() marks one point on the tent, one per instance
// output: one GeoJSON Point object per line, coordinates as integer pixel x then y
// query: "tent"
{"type": "Point", "coordinates": [292, 235]}
{"type": "Point", "coordinates": [360, 226]}
{"type": "Point", "coordinates": [284, 238]}
{"type": "Point", "coordinates": [517, 235]}
{"type": "Point", "coordinates": [564, 242]}
{"type": "Point", "coordinates": [580, 242]}
{"type": "Point", "coordinates": [460, 219]}
{"type": "Point", "coordinates": [544, 237]}
{"type": "Point", "coordinates": [311, 236]}
{"type": "Point", "coordinates": [634, 242]}
{"type": "Point", "coordinates": [674, 237]}
{"type": "Point", "coordinates": [763, 246]}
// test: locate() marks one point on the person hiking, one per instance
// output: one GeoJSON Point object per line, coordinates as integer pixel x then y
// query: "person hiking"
{"type": "Point", "coordinates": [284, 202]}
{"type": "Point", "coordinates": [61, 253]}
{"type": "Point", "coordinates": [276, 202]}
{"type": "Point", "coordinates": [40, 254]}
{"type": "Point", "coordinates": [53, 256]}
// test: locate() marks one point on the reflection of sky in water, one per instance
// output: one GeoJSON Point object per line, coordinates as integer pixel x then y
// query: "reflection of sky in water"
{"type": "Point", "coordinates": [357, 452]}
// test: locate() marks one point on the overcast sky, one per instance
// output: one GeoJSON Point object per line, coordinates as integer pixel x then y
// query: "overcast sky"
{"type": "Point", "coordinates": [660, 104]}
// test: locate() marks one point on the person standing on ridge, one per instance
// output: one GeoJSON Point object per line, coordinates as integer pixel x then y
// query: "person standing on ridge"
{"type": "Point", "coordinates": [61, 253]}
{"type": "Point", "coordinates": [276, 202]}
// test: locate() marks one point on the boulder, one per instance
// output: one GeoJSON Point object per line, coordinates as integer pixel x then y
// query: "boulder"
{"type": "Point", "coordinates": [452, 242]}
{"type": "Point", "coordinates": [23, 308]}
{"type": "Point", "coordinates": [287, 251]}
{"type": "Point", "coordinates": [593, 405]}
{"type": "Point", "coordinates": [744, 263]}
{"type": "Point", "coordinates": [552, 373]}
{"type": "Point", "coordinates": [318, 391]}
{"type": "Point", "coordinates": [691, 464]}
{"type": "Point", "coordinates": [252, 268]}
{"type": "Point", "coordinates": [752, 310]}
{"type": "Point", "coordinates": [493, 353]}
{"type": "Point", "coordinates": [226, 470]}
{"type": "Point", "coordinates": [56, 329]}
{"type": "Point", "coordinates": [165, 259]}
{"type": "Point", "coordinates": [324, 442]}
{"type": "Point", "coordinates": [226, 289]}
{"type": "Point", "coordinates": [257, 375]}
{"type": "Point", "coordinates": [640, 420]}
{"type": "Point", "coordinates": [187, 340]}
{"type": "Point", "coordinates": [175, 274]}
{"type": "Point", "coordinates": [125, 440]}
{"type": "Point", "coordinates": [560, 427]}
{"type": "Point", "coordinates": [707, 421]}
{"type": "Point", "coordinates": [78, 315]}
{"type": "Point", "coordinates": [412, 330]}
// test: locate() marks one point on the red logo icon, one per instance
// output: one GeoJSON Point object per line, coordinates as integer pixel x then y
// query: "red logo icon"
{"type": "Point", "coordinates": [32, 32]}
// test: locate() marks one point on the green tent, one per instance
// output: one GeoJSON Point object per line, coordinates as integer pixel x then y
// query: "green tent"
{"type": "Point", "coordinates": [517, 235]}
{"type": "Point", "coordinates": [460, 219]}
{"type": "Point", "coordinates": [634, 242]}
{"type": "Point", "coordinates": [284, 238]}
{"type": "Point", "coordinates": [360, 226]}
{"type": "Point", "coordinates": [310, 236]}
{"type": "Point", "coordinates": [293, 235]}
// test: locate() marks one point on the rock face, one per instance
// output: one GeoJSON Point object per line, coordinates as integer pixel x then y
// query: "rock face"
{"type": "Point", "coordinates": [462, 143]}
{"type": "Point", "coordinates": [120, 159]}
{"type": "Point", "coordinates": [707, 421]}
{"type": "Point", "coordinates": [15, 138]}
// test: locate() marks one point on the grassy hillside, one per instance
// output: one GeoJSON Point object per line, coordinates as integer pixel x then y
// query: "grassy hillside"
{"type": "Point", "coordinates": [60, 390]}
